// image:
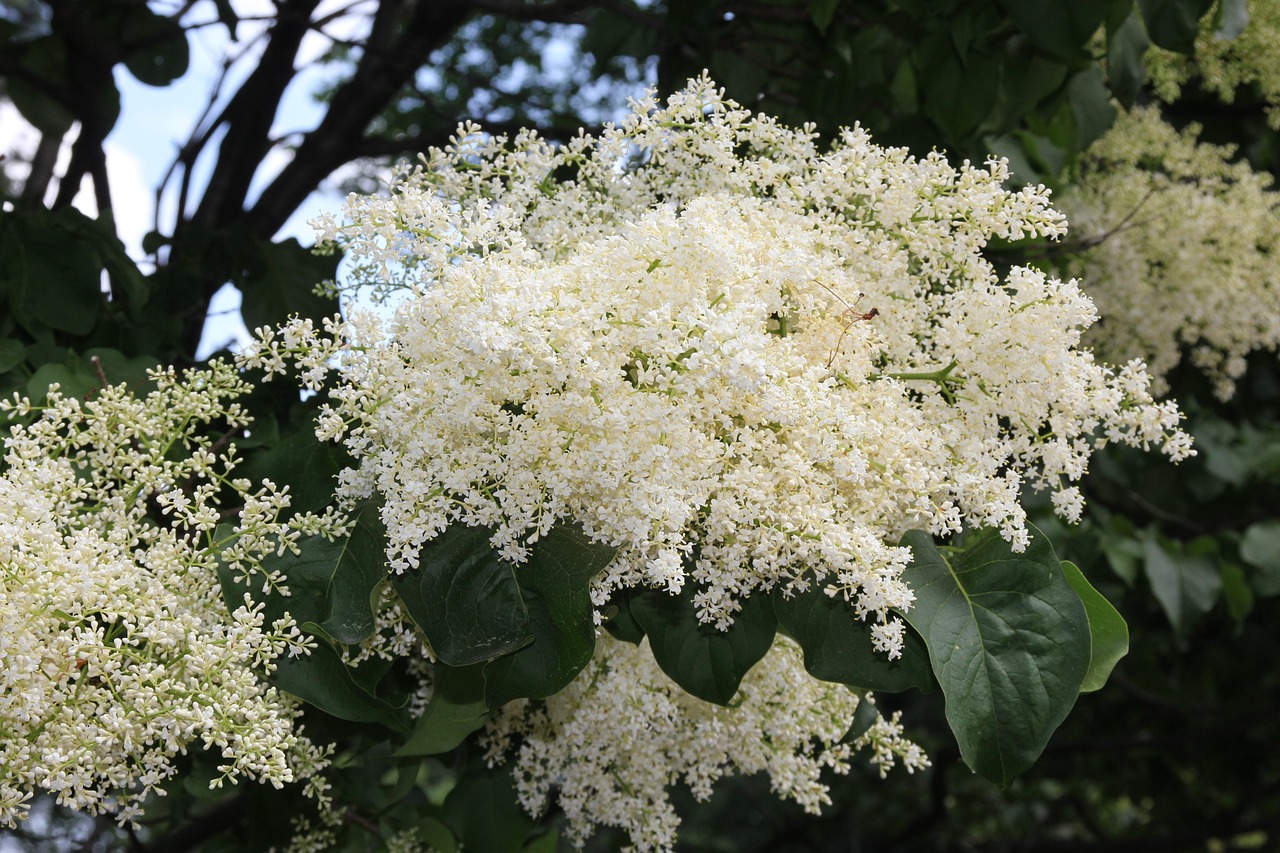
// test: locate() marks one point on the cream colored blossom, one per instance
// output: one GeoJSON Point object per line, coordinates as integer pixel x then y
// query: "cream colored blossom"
{"type": "Point", "coordinates": [739, 358]}
{"type": "Point", "coordinates": [1185, 262]}
{"type": "Point", "coordinates": [117, 652]}
{"type": "Point", "coordinates": [614, 741]}
{"type": "Point", "coordinates": [742, 359]}
{"type": "Point", "coordinates": [1225, 65]}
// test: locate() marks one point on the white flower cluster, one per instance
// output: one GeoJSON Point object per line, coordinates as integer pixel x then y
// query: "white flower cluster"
{"type": "Point", "coordinates": [116, 650]}
{"type": "Point", "coordinates": [1186, 246]}
{"type": "Point", "coordinates": [615, 740]}
{"type": "Point", "coordinates": [737, 357]}
{"type": "Point", "coordinates": [742, 360]}
{"type": "Point", "coordinates": [1222, 65]}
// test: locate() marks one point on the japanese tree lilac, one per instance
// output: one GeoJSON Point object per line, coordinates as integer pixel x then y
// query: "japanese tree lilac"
{"type": "Point", "coordinates": [117, 652]}
{"type": "Point", "coordinates": [1183, 256]}
{"type": "Point", "coordinates": [615, 740]}
{"type": "Point", "coordinates": [740, 358]}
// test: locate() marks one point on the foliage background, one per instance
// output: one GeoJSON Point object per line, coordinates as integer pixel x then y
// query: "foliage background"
{"type": "Point", "coordinates": [1178, 752]}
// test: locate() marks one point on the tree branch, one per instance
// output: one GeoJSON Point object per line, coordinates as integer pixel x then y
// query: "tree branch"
{"type": "Point", "coordinates": [385, 66]}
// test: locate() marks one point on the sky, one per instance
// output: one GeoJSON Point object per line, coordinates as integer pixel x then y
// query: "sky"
{"type": "Point", "coordinates": [155, 121]}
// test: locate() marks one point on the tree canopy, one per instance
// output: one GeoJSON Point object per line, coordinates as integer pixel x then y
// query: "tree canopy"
{"type": "Point", "coordinates": [431, 652]}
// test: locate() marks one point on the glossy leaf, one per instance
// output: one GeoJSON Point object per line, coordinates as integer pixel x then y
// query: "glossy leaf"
{"type": "Point", "coordinates": [464, 598]}
{"type": "Point", "coordinates": [323, 680]}
{"type": "Point", "coordinates": [1126, 70]}
{"type": "Point", "coordinates": [1108, 632]}
{"type": "Point", "coordinates": [282, 283]}
{"type": "Point", "coordinates": [457, 708]}
{"type": "Point", "coordinates": [706, 662]}
{"type": "Point", "coordinates": [555, 585]}
{"type": "Point", "coordinates": [1173, 24]}
{"type": "Point", "coordinates": [332, 585]}
{"type": "Point", "coordinates": [837, 644]}
{"type": "Point", "coordinates": [1008, 640]}
{"type": "Point", "coordinates": [1061, 28]}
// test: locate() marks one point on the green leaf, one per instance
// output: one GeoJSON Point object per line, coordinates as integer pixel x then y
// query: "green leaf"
{"type": "Point", "coordinates": [43, 62]}
{"type": "Point", "coordinates": [821, 12]}
{"type": "Point", "coordinates": [320, 678]}
{"type": "Point", "coordinates": [1061, 28]}
{"type": "Point", "coordinates": [465, 598]}
{"type": "Point", "coordinates": [323, 680]}
{"type": "Point", "coordinates": [1091, 103]}
{"type": "Point", "coordinates": [304, 463]}
{"type": "Point", "coordinates": [484, 811]}
{"type": "Point", "coordinates": [1260, 548]}
{"type": "Point", "coordinates": [555, 585]}
{"type": "Point", "coordinates": [159, 53]}
{"type": "Point", "coordinates": [1107, 629]}
{"type": "Point", "coordinates": [837, 644]}
{"type": "Point", "coordinates": [1235, 590]}
{"type": "Point", "coordinates": [1173, 24]}
{"type": "Point", "coordinates": [958, 96]}
{"type": "Point", "coordinates": [1126, 70]}
{"type": "Point", "coordinates": [1185, 585]}
{"type": "Point", "coordinates": [457, 708]}
{"type": "Point", "coordinates": [619, 621]}
{"type": "Point", "coordinates": [11, 354]}
{"type": "Point", "coordinates": [53, 279]}
{"type": "Point", "coordinates": [333, 584]}
{"type": "Point", "coordinates": [283, 284]}
{"type": "Point", "coordinates": [1008, 639]}
{"type": "Point", "coordinates": [706, 662]}
{"type": "Point", "coordinates": [864, 717]}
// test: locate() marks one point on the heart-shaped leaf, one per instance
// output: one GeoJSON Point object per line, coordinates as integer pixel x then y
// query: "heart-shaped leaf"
{"type": "Point", "coordinates": [1008, 639]}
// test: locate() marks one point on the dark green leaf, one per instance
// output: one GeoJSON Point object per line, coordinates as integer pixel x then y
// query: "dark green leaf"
{"type": "Point", "coordinates": [42, 59]}
{"type": "Point", "coordinates": [1126, 71]}
{"type": "Point", "coordinates": [706, 662]}
{"type": "Point", "coordinates": [821, 12]}
{"type": "Point", "coordinates": [1008, 639]}
{"type": "Point", "coordinates": [11, 354]}
{"type": "Point", "coordinates": [1091, 102]}
{"type": "Point", "coordinates": [555, 584]}
{"type": "Point", "coordinates": [1260, 548]}
{"type": "Point", "coordinates": [156, 46]}
{"type": "Point", "coordinates": [457, 708]}
{"type": "Point", "coordinates": [863, 719]}
{"type": "Point", "coordinates": [1235, 590]}
{"type": "Point", "coordinates": [284, 284]}
{"type": "Point", "coordinates": [465, 598]}
{"type": "Point", "coordinates": [1185, 585]}
{"type": "Point", "coordinates": [332, 585]}
{"type": "Point", "coordinates": [436, 835]}
{"type": "Point", "coordinates": [1061, 28]}
{"type": "Point", "coordinates": [619, 621]}
{"type": "Point", "coordinates": [958, 97]}
{"type": "Point", "coordinates": [54, 280]}
{"type": "Point", "coordinates": [304, 463]}
{"type": "Point", "coordinates": [1173, 24]}
{"type": "Point", "coordinates": [1107, 630]}
{"type": "Point", "coordinates": [323, 680]}
{"type": "Point", "coordinates": [837, 644]}
{"type": "Point", "coordinates": [484, 812]}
